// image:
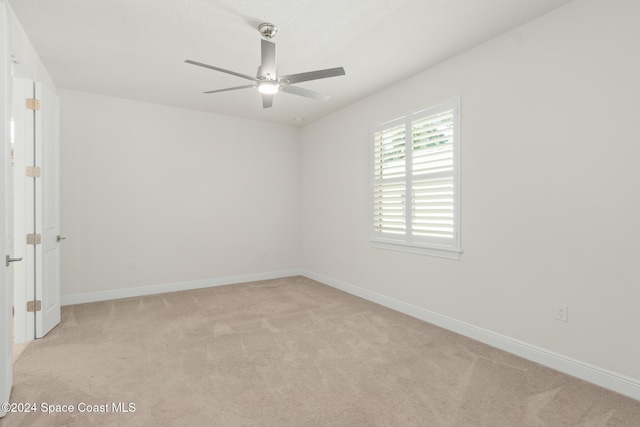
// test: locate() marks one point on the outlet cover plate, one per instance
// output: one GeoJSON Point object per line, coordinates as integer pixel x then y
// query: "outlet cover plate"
{"type": "Point", "coordinates": [561, 312]}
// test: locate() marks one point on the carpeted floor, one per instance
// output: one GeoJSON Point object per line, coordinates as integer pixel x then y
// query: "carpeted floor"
{"type": "Point", "coordinates": [287, 352]}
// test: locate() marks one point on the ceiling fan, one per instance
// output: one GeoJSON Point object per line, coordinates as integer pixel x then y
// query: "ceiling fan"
{"type": "Point", "coordinates": [268, 81]}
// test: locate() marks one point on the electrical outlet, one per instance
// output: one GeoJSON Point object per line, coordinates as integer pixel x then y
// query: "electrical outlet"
{"type": "Point", "coordinates": [561, 312]}
{"type": "Point", "coordinates": [133, 264]}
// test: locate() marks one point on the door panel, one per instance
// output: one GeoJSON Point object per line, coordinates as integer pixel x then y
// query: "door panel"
{"type": "Point", "coordinates": [47, 215]}
{"type": "Point", "coordinates": [23, 208]}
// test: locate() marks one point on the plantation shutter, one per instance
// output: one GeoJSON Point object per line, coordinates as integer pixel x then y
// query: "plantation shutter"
{"type": "Point", "coordinates": [389, 197]}
{"type": "Point", "coordinates": [432, 176]}
{"type": "Point", "coordinates": [415, 179]}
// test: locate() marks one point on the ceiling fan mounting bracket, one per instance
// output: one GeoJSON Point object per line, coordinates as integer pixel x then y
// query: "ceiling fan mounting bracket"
{"type": "Point", "coordinates": [267, 30]}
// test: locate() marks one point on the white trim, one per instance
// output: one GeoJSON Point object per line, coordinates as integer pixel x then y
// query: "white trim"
{"type": "Point", "coordinates": [416, 249]}
{"type": "Point", "coordinates": [173, 287]}
{"type": "Point", "coordinates": [619, 383]}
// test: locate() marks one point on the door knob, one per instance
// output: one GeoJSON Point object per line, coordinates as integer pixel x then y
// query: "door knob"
{"type": "Point", "coordinates": [10, 260]}
{"type": "Point", "coordinates": [60, 238]}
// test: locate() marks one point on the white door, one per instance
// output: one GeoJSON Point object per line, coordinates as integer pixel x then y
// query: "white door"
{"type": "Point", "coordinates": [47, 212]}
{"type": "Point", "coordinates": [36, 209]}
{"type": "Point", "coordinates": [23, 209]}
{"type": "Point", "coordinates": [6, 272]}
{"type": "Point", "coordinates": [6, 279]}
{"type": "Point", "coordinates": [7, 262]}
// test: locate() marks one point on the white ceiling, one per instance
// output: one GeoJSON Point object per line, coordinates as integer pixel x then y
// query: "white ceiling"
{"type": "Point", "coordinates": [136, 48]}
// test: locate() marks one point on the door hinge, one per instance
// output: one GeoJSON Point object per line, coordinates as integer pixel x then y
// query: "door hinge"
{"type": "Point", "coordinates": [32, 104]}
{"type": "Point", "coordinates": [33, 171]}
{"type": "Point", "coordinates": [34, 239]}
{"type": "Point", "coordinates": [33, 306]}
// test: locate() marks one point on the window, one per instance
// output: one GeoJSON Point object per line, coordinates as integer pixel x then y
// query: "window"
{"type": "Point", "coordinates": [416, 190]}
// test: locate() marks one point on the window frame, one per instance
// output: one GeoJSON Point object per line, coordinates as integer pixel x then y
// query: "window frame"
{"type": "Point", "coordinates": [409, 242]}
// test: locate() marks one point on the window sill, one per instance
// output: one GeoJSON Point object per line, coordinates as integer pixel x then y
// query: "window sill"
{"type": "Point", "coordinates": [417, 249]}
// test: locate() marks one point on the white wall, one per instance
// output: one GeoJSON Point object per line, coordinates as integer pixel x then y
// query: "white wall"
{"type": "Point", "coordinates": [550, 200]}
{"type": "Point", "coordinates": [187, 195]}
{"type": "Point", "coordinates": [27, 63]}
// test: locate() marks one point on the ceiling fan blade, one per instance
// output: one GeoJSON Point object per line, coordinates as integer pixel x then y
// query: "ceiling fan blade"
{"type": "Point", "coordinates": [295, 90]}
{"type": "Point", "coordinates": [222, 70]}
{"type": "Point", "coordinates": [267, 100]}
{"type": "Point", "coordinates": [230, 88]}
{"type": "Point", "coordinates": [313, 75]}
{"type": "Point", "coordinates": [268, 65]}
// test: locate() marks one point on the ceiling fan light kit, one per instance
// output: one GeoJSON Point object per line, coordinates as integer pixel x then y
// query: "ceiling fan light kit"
{"type": "Point", "coordinates": [267, 80]}
{"type": "Point", "coordinates": [268, 87]}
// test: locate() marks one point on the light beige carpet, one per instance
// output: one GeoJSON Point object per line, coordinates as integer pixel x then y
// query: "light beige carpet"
{"type": "Point", "coordinates": [288, 352]}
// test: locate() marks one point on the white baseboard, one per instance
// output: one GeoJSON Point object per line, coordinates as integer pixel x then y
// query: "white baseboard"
{"type": "Point", "coordinates": [173, 287]}
{"type": "Point", "coordinates": [611, 380]}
